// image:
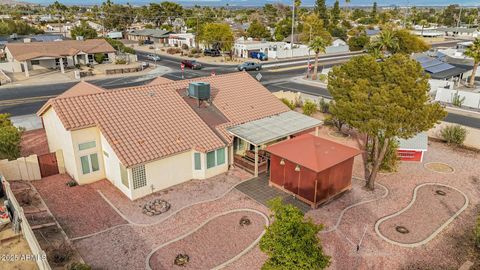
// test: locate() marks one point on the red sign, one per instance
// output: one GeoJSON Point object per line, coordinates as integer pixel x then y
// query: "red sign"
{"type": "Point", "coordinates": [182, 66]}
{"type": "Point", "coordinates": [309, 66]}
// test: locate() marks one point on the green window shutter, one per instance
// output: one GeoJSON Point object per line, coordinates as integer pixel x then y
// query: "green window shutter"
{"type": "Point", "coordinates": [124, 175]}
{"type": "Point", "coordinates": [210, 159]}
{"type": "Point", "coordinates": [198, 161]}
{"type": "Point", "coordinates": [94, 160]}
{"type": "Point", "coordinates": [85, 164]}
{"type": "Point", "coordinates": [86, 145]}
{"type": "Point", "coordinates": [220, 156]}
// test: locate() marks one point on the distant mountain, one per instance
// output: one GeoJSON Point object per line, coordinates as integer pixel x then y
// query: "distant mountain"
{"type": "Point", "coordinates": [263, 2]}
{"type": "Point", "coordinates": [14, 2]}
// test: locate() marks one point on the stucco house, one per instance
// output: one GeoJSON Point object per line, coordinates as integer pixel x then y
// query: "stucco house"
{"type": "Point", "coordinates": [148, 138]}
{"type": "Point", "coordinates": [22, 57]}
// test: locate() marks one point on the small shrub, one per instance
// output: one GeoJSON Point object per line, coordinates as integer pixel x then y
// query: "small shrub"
{"type": "Point", "coordinates": [120, 62]}
{"type": "Point", "coordinates": [457, 100]}
{"type": "Point", "coordinates": [60, 253]}
{"type": "Point", "coordinates": [309, 107]}
{"type": "Point", "coordinates": [287, 102]}
{"type": "Point", "coordinates": [99, 57]}
{"type": "Point", "coordinates": [324, 106]}
{"type": "Point", "coordinates": [174, 50]}
{"type": "Point", "coordinates": [453, 134]}
{"type": "Point", "coordinates": [190, 55]}
{"type": "Point", "coordinates": [184, 47]}
{"type": "Point", "coordinates": [77, 65]}
{"type": "Point", "coordinates": [195, 51]}
{"type": "Point", "coordinates": [141, 42]}
{"type": "Point", "coordinates": [71, 183]}
{"type": "Point", "coordinates": [477, 233]}
{"type": "Point", "coordinates": [322, 77]}
{"type": "Point", "coordinates": [79, 266]}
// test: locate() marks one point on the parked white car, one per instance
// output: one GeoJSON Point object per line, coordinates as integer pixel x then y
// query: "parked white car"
{"type": "Point", "coordinates": [153, 57]}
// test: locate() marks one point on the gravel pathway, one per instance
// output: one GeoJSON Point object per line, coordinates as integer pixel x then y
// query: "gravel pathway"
{"type": "Point", "coordinates": [115, 249]}
{"type": "Point", "coordinates": [178, 196]}
{"type": "Point", "coordinates": [214, 243]}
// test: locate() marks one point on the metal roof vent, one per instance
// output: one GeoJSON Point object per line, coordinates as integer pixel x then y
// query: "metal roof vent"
{"type": "Point", "coordinates": [199, 90]}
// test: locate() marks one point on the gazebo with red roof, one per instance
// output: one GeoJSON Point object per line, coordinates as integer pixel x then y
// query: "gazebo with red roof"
{"type": "Point", "coordinates": [312, 168]}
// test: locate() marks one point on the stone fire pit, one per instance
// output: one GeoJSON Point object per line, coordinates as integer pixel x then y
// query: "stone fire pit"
{"type": "Point", "coordinates": [155, 207]}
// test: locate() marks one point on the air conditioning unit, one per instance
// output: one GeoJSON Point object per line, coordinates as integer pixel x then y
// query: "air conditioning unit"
{"type": "Point", "coordinates": [199, 90]}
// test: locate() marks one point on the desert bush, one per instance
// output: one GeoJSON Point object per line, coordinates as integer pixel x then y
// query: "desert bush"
{"type": "Point", "coordinates": [323, 105]}
{"type": "Point", "coordinates": [190, 55]}
{"type": "Point", "coordinates": [195, 51]}
{"type": "Point", "coordinates": [291, 241]}
{"type": "Point", "coordinates": [287, 102]}
{"type": "Point", "coordinates": [453, 134]}
{"type": "Point", "coordinates": [71, 183]}
{"type": "Point", "coordinates": [174, 50]}
{"type": "Point", "coordinates": [120, 62]}
{"type": "Point", "coordinates": [141, 42]}
{"type": "Point", "coordinates": [79, 266]}
{"type": "Point", "coordinates": [457, 100]}
{"type": "Point", "coordinates": [322, 77]}
{"type": "Point", "coordinates": [60, 253]}
{"type": "Point", "coordinates": [309, 107]}
{"type": "Point", "coordinates": [184, 47]}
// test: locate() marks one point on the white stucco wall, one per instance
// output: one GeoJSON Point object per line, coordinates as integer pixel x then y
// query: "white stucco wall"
{"type": "Point", "coordinates": [83, 136]}
{"type": "Point", "coordinates": [112, 168]}
{"type": "Point", "coordinates": [59, 138]}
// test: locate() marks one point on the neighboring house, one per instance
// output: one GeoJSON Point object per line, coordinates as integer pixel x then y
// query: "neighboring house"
{"type": "Point", "coordinates": [148, 138]}
{"type": "Point", "coordinates": [59, 28]}
{"type": "Point", "coordinates": [459, 32]}
{"type": "Point", "coordinates": [439, 69]}
{"type": "Point", "coordinates": [97, 27]}
{"type": "Point", "coordinates": [156, 35]}
{"type": "Point", "coordinates": [413, 149]}
{"type": "Point", "coordinates": [22, 57]}
{"type": "Point", "coordinates": [338, 46]}
{"type": "Point", "coordinates": [115, 35]}
{"type": "Point", "coordinates": [178, 40]}
{"type": "Point", "coordinates": [275, 50]}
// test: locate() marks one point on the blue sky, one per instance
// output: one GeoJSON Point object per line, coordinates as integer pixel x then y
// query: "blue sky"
{"type": "Point", "coordinates": [261, 2]}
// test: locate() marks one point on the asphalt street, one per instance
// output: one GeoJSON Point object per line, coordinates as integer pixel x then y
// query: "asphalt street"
{"type": "Point", "coordinates": [24, 100]}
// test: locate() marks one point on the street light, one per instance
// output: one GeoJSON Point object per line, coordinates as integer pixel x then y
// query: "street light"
{"type": "Point", "coordinates": [293, 26]}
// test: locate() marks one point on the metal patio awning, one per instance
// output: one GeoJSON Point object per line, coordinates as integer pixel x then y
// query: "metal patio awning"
{"type": "Point", "coordinates": [274, 127]}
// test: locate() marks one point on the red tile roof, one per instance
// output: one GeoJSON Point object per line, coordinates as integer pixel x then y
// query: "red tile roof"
{"type": "Point", "coordinates": [32, 50]}
{"type": "Point", "coordinates": [150, 122]}
{"type": "Point", "coordinates": [160, 80]}
{"type": "Point", "coordinates": [313, 152]}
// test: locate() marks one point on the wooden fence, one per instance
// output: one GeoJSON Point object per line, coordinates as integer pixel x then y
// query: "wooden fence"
{"type": "Point", "coordinates": [23, 168]}
{"type": "Point", "coordinates": [38, 253]}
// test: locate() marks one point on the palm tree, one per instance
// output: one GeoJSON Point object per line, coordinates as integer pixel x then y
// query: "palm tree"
{"type": "Point", "coordinates": [423, 23]}
{"type": "Point", "coordinates": [474, 52]}
{"type": "Point", "coordinates": [387, 42]}
{"type": "Point", "coordinates": [318, 46]}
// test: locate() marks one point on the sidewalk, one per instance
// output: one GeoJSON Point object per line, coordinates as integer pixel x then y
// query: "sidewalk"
{"type": "Point", "coordinates": [303, 80]}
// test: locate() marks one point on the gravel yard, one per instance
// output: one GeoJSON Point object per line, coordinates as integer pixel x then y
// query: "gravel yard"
{"type": "Point", "coordinates": [214, 243]}
{"type": "Point", "coordinates": [80, 210]}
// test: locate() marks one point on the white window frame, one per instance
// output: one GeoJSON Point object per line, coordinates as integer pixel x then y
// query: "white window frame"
{"type": "Point", "coordinates": [90, 167]}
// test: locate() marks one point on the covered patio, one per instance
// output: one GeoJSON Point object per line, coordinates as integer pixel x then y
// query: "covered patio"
{"type": "Point", "coordinates": [251, 138]}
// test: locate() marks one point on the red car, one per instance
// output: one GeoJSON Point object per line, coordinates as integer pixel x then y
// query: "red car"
{"type": "Point", "coordinates": [192, 64]}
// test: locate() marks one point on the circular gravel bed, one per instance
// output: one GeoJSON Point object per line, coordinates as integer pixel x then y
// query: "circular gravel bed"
{"type": "Point", "coordinates": [432, 208]}
{"type": "Point", "coordinates": [337, 134]}
{"type": "Point", "coordinates": [439, 167]}
{"type": "Point", "coordinates": [212, 244]}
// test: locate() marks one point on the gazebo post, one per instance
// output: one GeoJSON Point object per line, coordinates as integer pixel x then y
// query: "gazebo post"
{"type": "Point", "coordinates": [256, 161]}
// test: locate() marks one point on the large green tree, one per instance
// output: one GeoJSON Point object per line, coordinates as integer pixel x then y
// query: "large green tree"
{"type": "Point", "coordinates": [313, 27]}
{"type": "Point", "coordinates": [283, 28]}
{"type": "Point", "coordinates": [321, 11]}
{"type": "Point", "coordinates": [217, 35]}
{"type": "Point", "coordinates": [257, 30]}
{"type": "Point", "coordinates": [409, 43]}
{"type": "Point", "coordinates": [83, 30]}
{"type": "Point", "coordinates": [335, 13]}
{"type": "Point", "coordinates": [474, 52]}
{"type": "Point", "coordinates": [383, 101]}
{"type": "Point", "coordinates": [10, 137]}
{"type": "Point", "coordinates": [291, 242]}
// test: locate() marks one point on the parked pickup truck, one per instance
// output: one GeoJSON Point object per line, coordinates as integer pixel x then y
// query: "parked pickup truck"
{"type": "Point", "coordinates": [259, 55]}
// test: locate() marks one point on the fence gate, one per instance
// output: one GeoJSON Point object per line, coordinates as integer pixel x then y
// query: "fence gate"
{"type": "Point", "coordinates": [48, 164]}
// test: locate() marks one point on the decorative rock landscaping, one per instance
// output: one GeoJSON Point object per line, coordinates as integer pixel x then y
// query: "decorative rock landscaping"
{"type": "Point", "coordinates": [431, 209]}
{"type": "Point", "coordinates": [155, 207]}
{"type": "Point", "coordinates": [439, 167]}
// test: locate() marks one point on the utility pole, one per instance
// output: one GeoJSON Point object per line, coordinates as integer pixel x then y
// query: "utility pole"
{"type": "Point", "coordinates": [293, 26]}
